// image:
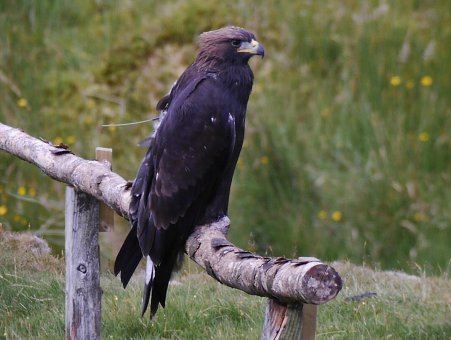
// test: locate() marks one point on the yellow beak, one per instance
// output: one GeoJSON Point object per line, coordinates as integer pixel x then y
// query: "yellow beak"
{"type": "Point", "coordinates": [252, 47]}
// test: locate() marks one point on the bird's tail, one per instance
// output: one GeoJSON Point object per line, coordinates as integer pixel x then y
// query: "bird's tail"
{"type": "Point", "coordinates": [128, 257]}
{"type": "Point", "coordinates": [156, 283]}
{"type": "Point", "coordinates": [157, 276]}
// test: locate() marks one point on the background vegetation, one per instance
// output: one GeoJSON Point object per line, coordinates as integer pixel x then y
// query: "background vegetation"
{"type": "Point", "coordinates": [347, 152]}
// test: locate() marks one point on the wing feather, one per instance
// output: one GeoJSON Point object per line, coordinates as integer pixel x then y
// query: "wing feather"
{"type": "Point", "coordinates": [191, 147]}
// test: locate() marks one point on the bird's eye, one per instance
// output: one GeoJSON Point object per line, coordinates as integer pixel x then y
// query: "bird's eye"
{"type": "Point", "coordinates": [235, 43]}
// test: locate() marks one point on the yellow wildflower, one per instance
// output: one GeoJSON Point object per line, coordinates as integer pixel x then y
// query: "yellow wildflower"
{"type": "Point", "coordinates": [22, 191]}
{"type": "Point", "coordinates": [337, 216]}
{"type": "Point", "coordinates": [423, 137]}
{"type": "Point", "coordinates": [57, 140]}
{"type": "Point", "coordinates": [322, 214]}
{"type": "Point", "coordinates": [3, 210]}
{"type": "Point", "coordinates": [395, 81]}
{"type": "Point", "coordinates": [91, 103]}
{"type": "Point", "coordinates": [32, 192]}
{"type": "Point", "coordinates": [89, 120]}
{"type": "Point", "coordinates": [22, 102]}
{"type": "Point", "coordinates": [419, 217]}
{"type": "Point", "coordinates": [264, 160]}
{"type": "Point", "coordinates": [71, 139]}
{"type": "Point", "coordinates": [426, 81]}
{"type": "Point", "coordinates": [16, 218]}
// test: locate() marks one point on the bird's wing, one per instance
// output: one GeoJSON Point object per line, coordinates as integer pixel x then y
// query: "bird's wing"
{"type": "Point", "coordinates": [188, 155]}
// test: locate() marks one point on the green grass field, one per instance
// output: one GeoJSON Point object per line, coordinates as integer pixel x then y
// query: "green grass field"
{"type": "Point", "coordinates": [347, 151]}
{"type": "Point", "coordinates": [32, 304]}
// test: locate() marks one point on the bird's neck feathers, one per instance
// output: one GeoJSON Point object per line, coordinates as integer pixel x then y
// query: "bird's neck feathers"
{"type": "Point", "coordinates": [239, 80]}
{"type": "Point", "coordinates": [237, 76]}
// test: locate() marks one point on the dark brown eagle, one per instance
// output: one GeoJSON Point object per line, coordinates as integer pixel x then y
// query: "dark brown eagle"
{"type": "Point", "coordinates": [184, 179]}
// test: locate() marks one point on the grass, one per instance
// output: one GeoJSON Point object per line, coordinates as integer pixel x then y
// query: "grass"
{"type": "Point", "coordinates": [347, 151]}
{"type": "Point", "coordinates": [402, 306]}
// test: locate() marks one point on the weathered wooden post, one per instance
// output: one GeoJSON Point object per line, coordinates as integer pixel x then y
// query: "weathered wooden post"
{"type": "Point", "coordinates": [295, 321]}
{"type": "Point", "coordinates": [83, 293]}
{"type": "Point", "coordinates": [85, 217]}
{"type": "Point", "coordinates": [298, 321]}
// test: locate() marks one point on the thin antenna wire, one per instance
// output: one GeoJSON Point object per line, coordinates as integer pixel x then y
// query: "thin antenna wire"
{"type": "Point", "coordinates": [128, 124]}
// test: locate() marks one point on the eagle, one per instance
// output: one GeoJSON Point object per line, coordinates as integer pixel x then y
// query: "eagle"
{"type": "Point", "coordinates": [184, 179]}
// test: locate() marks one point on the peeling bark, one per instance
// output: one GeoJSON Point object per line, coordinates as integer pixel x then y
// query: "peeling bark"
{"type": "Point", "coordinates": [305, 280]}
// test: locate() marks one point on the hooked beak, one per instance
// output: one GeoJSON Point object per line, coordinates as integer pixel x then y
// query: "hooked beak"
{"type": "Point", "coordinates": [252, 47]}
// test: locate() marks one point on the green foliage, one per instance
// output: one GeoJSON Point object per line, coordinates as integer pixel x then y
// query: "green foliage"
{"type": "Point", "coordinates": [347, 151]}
{"type": "Point", "coordinates": [340, 158]}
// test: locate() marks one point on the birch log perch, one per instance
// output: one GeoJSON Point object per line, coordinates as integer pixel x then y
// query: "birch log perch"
{"type": "Point", "coordinates": [289, 281]}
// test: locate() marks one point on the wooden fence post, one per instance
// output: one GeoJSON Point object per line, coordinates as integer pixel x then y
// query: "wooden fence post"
{"type": "Point", "coordinates": [293, 321]}
{"type": "Point", "coordinates": [83, 293]}
{"type": "Point", "coordinates": [85, 217]}
{"type": "Point", "coordinates": [296, 321]}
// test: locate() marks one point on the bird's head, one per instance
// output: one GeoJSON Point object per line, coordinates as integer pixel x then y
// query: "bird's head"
{"type": "Point", "coordinates": [229, 44]}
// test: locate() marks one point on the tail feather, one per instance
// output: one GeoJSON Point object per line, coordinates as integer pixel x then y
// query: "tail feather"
{"type": "Point", "coordinates": [158, 268]}
{"type": "Point", "coordinates": [128, 257]}
{"type": "Point", "coordinates": [156, 284]}
{"type": "Point", "coordinates": [160, 285]}
{"type": "Point", "coordinates": [148, 283]}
